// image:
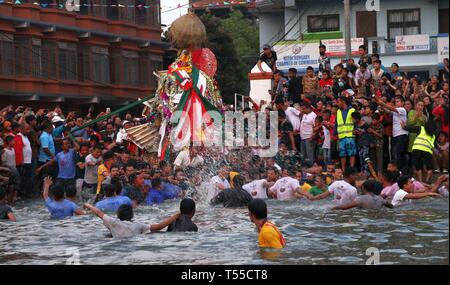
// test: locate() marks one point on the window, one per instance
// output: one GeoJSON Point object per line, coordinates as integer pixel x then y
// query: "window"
{"type": "Point", "coordinates": [22, 56]}
{"type": "Point", "coordinates": [145, 70]}
{"type": "Point", "coordinates": [323, 23]}
{"type": "Point", "coordinates": [67, 59]}
{"type": "Point", "coordinates": [49, 59]}
{"type": "Point", "coordinates": [130, 68]}
{"type": "Point", "coordinates": [127, 11]}
{"type": "Point", "coordinates": [99, 64]}
{"type": "Point", "coordinates": [6, 54]}
{"type": "Point", "coordinates": [403, 22]}
{"type": "Point", "coordinates": [115, 63]}
{"type": "Point", "coordinates": [36, 57]}
{"type": "Point", "coordinates": [112, 11]}
{"type": "Point", "coordinates": [148, 17]}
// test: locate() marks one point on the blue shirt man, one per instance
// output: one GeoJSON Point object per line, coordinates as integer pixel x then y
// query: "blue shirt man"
{"type": "Point", "coordinates": [112, 204]}
{"type": "Point", "coordinates": [66, 164]}
{"type": "Point", "coordinates": [158, 197]}
{"type": "Point", "coordinates": [46, 141]}
{"type": "Point", "coordinates": [61, 209]}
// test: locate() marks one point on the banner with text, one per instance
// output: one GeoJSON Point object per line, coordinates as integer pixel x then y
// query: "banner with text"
{"type": "Point", "coordinates": [442, 42]}
{"type": "Point", "coordinates": [298, 56]}
{"type": "Point", "coordinates": [412, 43]}
{"type": "Point", "coordinates": [337, 47]}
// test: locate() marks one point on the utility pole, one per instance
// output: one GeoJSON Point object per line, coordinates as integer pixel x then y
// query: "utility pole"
{"type": "Point", "coordinates": [348, 37]}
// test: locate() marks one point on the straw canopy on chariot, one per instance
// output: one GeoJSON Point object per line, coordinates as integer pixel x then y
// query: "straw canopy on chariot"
{"type": "Point", "coordinates": [185, 93]}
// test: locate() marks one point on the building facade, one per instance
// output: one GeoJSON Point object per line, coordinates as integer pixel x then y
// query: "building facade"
{"type": "Point", "coordinates": [302, 20]}
{"type": "Point", "coordinates": [105, 53]}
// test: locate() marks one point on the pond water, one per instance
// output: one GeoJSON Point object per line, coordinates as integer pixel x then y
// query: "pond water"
{"type": "Point", "coordinates": [414, 234]}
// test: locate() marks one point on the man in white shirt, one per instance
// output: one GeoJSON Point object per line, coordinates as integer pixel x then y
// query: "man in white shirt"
{"type": "Point", "coordinates": [188, 158]}
{"type": "Point", "coordinates": [123, 227]}
{"type": "Point", "coordinates": [307, 123]}
{"type": "Point", "coordinates": [400, 140]}
{"type": "Point", "coordinates": [258, 188]}
{"type": "Point", "coordinates": [343, 190]}
{"type": "Point", "coordinates": [405, 194]}
{"type": "Point", "coordinates": [219, 182]}
{"type": "Point", "coordinates": [27, 167]}
{"type": "Point", "coordinates": [92, 162]}
{"type": "Point", "coordinates": [286, 188]}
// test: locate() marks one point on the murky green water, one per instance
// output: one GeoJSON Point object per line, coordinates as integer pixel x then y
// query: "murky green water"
{"type": "Point", "coordinates": [415, 234]}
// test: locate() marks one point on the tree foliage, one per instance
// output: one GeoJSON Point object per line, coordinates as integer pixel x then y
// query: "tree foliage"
{"type": "Point", "coordinates": [233, 41]}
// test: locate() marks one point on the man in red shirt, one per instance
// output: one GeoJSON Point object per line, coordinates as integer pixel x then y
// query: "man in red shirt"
{"type": "Point", "coordinates": [18, 145]}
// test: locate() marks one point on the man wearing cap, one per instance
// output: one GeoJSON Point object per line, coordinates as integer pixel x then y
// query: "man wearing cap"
{"type": "Point", "coordinates": [269, 57]}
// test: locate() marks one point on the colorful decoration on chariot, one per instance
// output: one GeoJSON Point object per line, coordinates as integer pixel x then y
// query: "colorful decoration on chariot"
{"type": "Point", "coordinates": [185, 93]}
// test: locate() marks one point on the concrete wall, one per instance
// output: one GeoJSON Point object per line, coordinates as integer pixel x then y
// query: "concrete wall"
{"type": "Point", "coordinates": [271, 27]}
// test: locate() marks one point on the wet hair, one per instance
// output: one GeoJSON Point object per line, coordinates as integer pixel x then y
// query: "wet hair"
{"type": "Point", "coordinates": [323, 46]}
{"type": "Point", "coordinates": [109, 190]}
{"type": "Point", "coordinates": [349, 171]}
{"type": "Point", "coordinates": [372, 186]}
{"type": "Point", "coordinates": [2, 193]}
{"type": "Point", "coordinates": [58, 191]}
{"type": "Point", "coordinates": [115, 181]}
{"type": "Point", "coordinates": [356, 115]}
{"type": "Point", "coordinates": [125, 212]}
{"type": "Point", "coordinates": [238, 181]}
{"type": "Point", "coordinates": [70, 191]}
{"type": "Point", "coordinates": [156, 182]}
{"type": "Point", "coordinates": [294, 70]}
{"type": "Point", "coordinates": [187, 206]}
{"type": "Point", "coordinates": [258, 208]}
{"type": "Point", "coordinates": [402, 181]}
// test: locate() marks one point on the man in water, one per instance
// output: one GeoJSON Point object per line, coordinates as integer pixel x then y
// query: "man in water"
{"type": "Point", "coordinates": [6, 212]}
{"type": "Point", "coordinates": [59, 207]}
{"type": "Point", "coordinates": [157, 194]}
{"type": "Point", "coordinates": [219, 182]}
{"type": "Point", "coordinates": [269, 235]}
{"type": "Point", "coordinates": [370, 200]}
{"type": "Point", "coordinates": [343, 190]}
{"type": "Point", "coordinates": [286, 187]}
{"type": "Point", "coordinates": [184, 222]}
{"type": "Point", "coordinates": [406, 192]}
{"type": "Point", "coordinates": [233, 197]}
{"type": "Point", "coordinates": [123, 226]}
{"type": "Point", "coordinates": [135, 190]}
{"type": "Point", "coordinates": [258, 188]}
{"type": "Point", "coordinates": [112, 202]}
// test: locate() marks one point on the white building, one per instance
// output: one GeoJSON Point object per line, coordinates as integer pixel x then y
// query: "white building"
{"type": "Point", "coordinates": [289, 25]}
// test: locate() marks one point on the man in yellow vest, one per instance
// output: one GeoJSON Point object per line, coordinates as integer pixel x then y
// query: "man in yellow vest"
{"type": "Point", "coordinates": [422, 150]}
{"type": "Point", "coordinates": [344, 129]}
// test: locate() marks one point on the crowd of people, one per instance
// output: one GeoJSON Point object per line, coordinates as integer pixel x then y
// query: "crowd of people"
{"type": "Point", "coordinates": [369, 136]}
